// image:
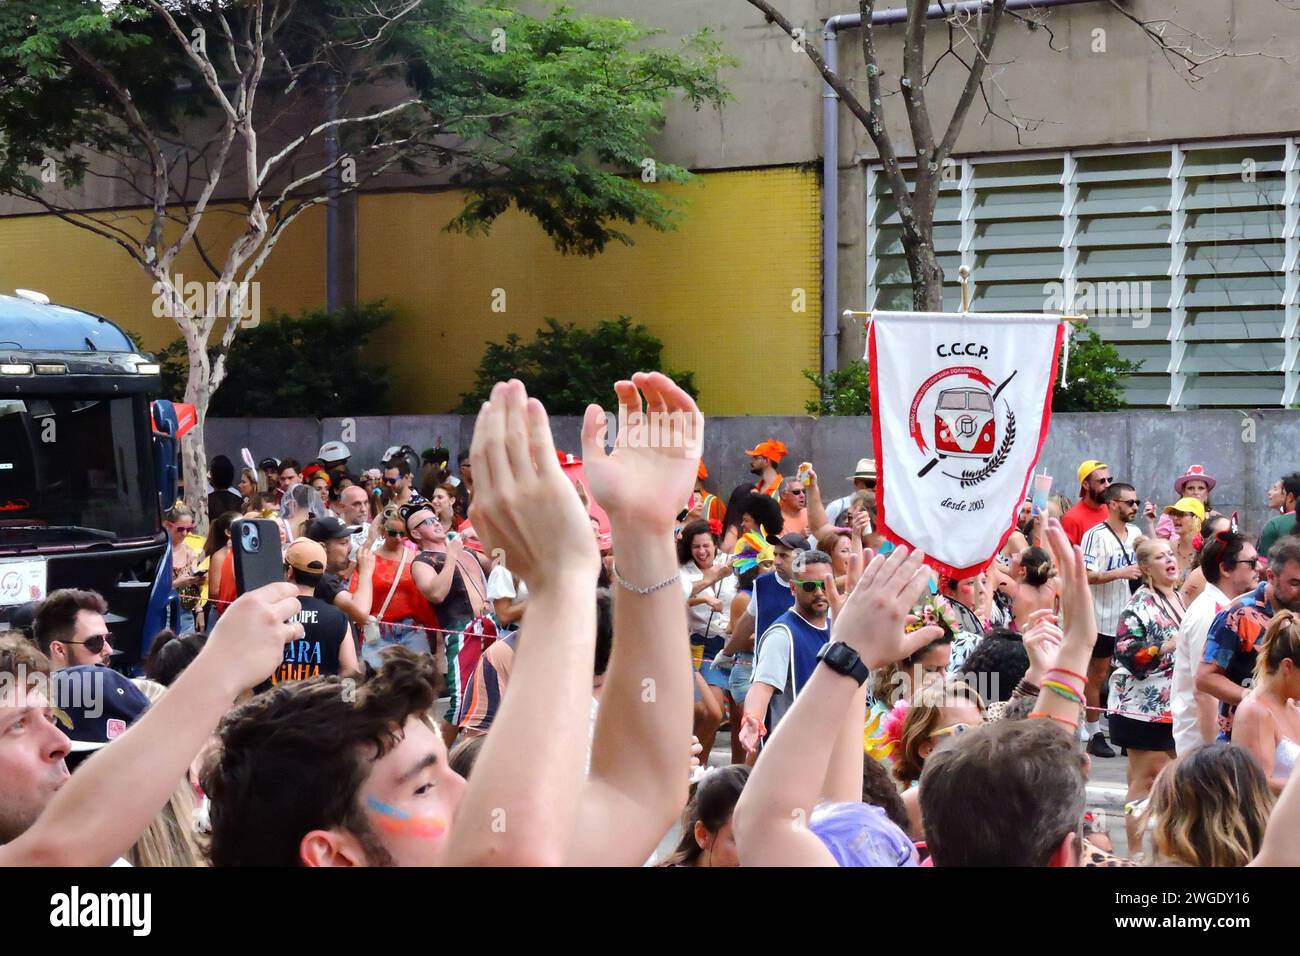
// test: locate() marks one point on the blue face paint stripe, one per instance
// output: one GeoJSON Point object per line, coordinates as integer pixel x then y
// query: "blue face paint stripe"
{"type": "Point", "coordinates": [380, 807]}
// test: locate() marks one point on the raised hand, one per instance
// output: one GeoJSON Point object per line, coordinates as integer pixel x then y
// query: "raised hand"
{"type": "Point", "coordinates": [1041, 639]}
{"type": "Point", "coordinates": [247, 644]}
{"type": "Point", "coordinates": [656, 455]}
{"type": "Point", "coordinates": [872, 619]}
{"type": "Point", "coordinates": [523, 502]}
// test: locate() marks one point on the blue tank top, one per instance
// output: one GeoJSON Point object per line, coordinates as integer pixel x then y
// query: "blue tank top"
{"type": "Point", "coordinates": [773, 599]}
{"type": "Point", "coordinates": [808, 640]}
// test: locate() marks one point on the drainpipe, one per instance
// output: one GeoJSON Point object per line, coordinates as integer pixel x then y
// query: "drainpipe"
{"type": "Point", "coordinates": [831, 148]}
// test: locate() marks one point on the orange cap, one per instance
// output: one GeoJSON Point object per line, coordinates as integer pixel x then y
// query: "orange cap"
{"type": "Point", "coordinates": [771, 449]}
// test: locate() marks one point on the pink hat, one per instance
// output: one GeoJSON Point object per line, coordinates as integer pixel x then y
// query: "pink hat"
{"type": "Point", "coordinates": [1194, 473]}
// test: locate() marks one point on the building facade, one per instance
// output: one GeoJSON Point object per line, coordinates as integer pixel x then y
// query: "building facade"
{"type": "Point", "coordinates": [1108, 182]}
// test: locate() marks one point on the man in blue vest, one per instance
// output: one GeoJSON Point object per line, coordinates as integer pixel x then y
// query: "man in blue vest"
{"type": "Point", "coordinates": [786, 654]}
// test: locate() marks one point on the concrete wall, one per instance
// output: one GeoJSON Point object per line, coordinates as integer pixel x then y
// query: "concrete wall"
{"type": "Point", "coordinates": [1244, 452]}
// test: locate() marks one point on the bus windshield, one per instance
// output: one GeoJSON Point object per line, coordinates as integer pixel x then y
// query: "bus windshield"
{"type": "Point", "coordinates": [75, 469]}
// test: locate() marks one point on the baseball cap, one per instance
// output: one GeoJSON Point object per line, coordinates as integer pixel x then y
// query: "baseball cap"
{"type": "Point", "coordinates": [327, 528]}
{"type": "Point", "coordinates": [268, 463]}
{"type": "Point", "coordinates": [771, 449]}
{"type": "Point", "coordinates": [333, 451]}
{"type": "Point", "coordinates": [795, 542]}
{"type": "Point", "coordinates": [305, 555]}
{"type": "Point", "coordinates": [1191, 506]}
{"type": "Point", "coordinates": [1088, 467]}
{"type": "Point", "coordinates": [95, 705]}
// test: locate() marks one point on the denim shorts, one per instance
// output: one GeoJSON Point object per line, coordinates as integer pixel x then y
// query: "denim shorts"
{"type": "Point", "coordinates": [400, 632]}
{"type": "Point", "coordinates": [742, 672]}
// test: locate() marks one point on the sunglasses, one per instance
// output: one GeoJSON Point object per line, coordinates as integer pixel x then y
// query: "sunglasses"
{"type": "Point", "coordinates": [394, 532]}
{"type": "Point", "coordinates": [810, 586]}
{"type": "Point", "coordinates": [798, 491]}
{"type": "Point", "coordinates": [391, 481]}
{"type": "Point", "coordinates": [1131, 502]}
{"type": "Point", "coordinates": [93, 644]}
{"type": "Point", "coordinates": [429, 520]}
{"type": "Point", "coordinates": [952, 730]}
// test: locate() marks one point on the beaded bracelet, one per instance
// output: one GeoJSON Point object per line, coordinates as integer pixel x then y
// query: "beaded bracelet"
{"type": "Point", "coordinates": [1072, 724]}
{"type": "Point", "coordinates": [676, 578]}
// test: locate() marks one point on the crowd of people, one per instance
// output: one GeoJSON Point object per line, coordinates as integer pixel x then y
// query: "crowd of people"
{"type": "Point", "coordinates": [479, 666]}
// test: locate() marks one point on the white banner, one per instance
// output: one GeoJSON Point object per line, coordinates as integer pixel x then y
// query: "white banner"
{"type": "Point", "coordinates": [960, 408]}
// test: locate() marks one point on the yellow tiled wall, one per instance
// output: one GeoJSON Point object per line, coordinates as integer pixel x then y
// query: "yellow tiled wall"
{"type": "Point", "coordinates": [719, 290]}
{"type": "Point", "coordinates": [74, 267]}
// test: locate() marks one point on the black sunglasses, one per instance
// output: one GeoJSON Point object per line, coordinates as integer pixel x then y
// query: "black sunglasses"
{"type": "Point", "coordinates": [392, 481]}
{"type": "Point", "coordinates": [94, 644]}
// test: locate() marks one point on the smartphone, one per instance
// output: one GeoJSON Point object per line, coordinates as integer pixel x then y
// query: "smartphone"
{"type": "Point", "coordinates": [258, 558]}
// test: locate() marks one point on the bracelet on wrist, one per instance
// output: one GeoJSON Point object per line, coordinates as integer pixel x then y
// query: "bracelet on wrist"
{"type": "Point", "coordinates": [627, 585]}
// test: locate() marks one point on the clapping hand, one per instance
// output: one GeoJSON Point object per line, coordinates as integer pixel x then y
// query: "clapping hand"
{"type": "Point", "coordinates": [655, 458]}
{"type": "Point", "coordinates": [872, 619]}
{"type": "Point", "coordinates": [522, 499]}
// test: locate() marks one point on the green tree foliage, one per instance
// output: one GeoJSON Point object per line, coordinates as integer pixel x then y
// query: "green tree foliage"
{"type": "Point", "coordinates": [1096, 370]}
{"type": "Point", "coordinates": [291, 366]}
{"type": "Point", "coordinates": [846, 391]}
{"type": "Point", "coordinates": [569, 368]}
{"type": "Point", "coordinates": [552, 113]}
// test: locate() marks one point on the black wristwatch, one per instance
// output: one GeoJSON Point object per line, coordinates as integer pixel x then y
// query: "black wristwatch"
{"type": "Point", "coordinates": [843, 659]}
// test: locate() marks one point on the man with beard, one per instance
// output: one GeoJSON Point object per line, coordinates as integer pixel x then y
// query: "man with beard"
{"type": "Point", "coordinates": [1227, 667]}
{"type": "Point", "coordinates": [1228, 562]}
{"type": "Point", "coordinates": [786, 654]}
{"type": "Point", "coordinates": [1094, 479]}
{"type": "Point", "coordinates": [763, 459]}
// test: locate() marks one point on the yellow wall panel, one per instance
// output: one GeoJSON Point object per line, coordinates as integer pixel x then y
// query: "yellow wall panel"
{"type": "Point", "coordinates": [718, 289]}
{"type": "Point", "coordinates": [76, 268]}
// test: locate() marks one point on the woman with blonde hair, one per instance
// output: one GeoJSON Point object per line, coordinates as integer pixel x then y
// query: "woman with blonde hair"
{"type": "Point", "coordinates": [942, 709]}
{"type": "Point", "coordinates": [1141, 716]}
{"type": "Point", "coordinates": [1210, 808]}
{"type": "Point", "coordinates": [170, 839]}
{"type": "Point", "coordinates": [1267, 723]}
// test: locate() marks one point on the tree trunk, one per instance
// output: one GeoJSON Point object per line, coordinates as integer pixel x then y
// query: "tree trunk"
{"type": "Point", "coordinates": [194, 460]}
{"type": "Point", "coordinates": [193, 455]}
{"type": "Point", "coordinates": [927, 274]}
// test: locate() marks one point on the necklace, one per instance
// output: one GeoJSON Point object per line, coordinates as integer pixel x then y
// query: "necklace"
{"type": "Point", "coordinates": [1168, 605]}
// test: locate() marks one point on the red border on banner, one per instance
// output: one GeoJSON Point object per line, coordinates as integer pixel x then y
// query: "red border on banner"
{"type": "Point", "coordinates": [882, 471]}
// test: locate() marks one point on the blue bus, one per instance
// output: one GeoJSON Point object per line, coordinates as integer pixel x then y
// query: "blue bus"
{"type": "Point", "coordinates": [87, 465]}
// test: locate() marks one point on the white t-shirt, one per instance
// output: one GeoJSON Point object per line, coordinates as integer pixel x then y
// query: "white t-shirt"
{"type": "Point", "coordinates": [701, 616]}
{"type": "Point", "coordinates": [1191, 645]}
{"type": "Point", "coordinates": [1102, 551]}
{"type": "Point", "coordinates": [501, 584]}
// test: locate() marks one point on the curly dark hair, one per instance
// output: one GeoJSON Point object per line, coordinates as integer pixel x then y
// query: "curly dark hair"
{"type": "Point", "coordinates": [997, 664]}
{"type": "Point", "coordinates": [294, 759]}
{"type": "Point", "coordinates": [689, 533]}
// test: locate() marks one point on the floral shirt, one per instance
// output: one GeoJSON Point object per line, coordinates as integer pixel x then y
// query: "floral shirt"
{"type": "Point", "coordinates": [1143, 679]}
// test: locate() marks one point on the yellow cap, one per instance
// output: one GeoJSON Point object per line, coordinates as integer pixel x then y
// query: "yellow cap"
{"type": "Point", "coordinates": [1191, 506]}
{"type": "Point", "coordinates": [1088, 467]}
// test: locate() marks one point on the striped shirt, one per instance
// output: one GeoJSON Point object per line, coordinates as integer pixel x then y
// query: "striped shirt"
{"type": "Point", "coordinates": [486, 686]}
{"type": "Point", "coordinates": [1102, 551]}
